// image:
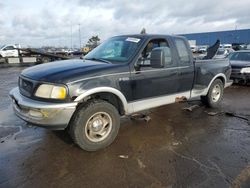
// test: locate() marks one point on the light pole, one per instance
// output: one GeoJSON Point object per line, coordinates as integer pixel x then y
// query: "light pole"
{"type": "Point", "coordinates": [71, 35]}
{"type": "Point", "coordinates": [80, 42]}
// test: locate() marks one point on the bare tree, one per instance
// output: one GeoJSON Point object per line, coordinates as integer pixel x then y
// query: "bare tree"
{"type": "Point", "coordinates": [143, 31]}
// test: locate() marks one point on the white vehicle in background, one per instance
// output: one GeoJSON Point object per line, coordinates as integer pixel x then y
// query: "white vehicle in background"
{"type": "Point", "coordinates": [194, 49]}
{"type": "Point", "coordinates": [202, 49]}
{"type": "Point", "coordinates": [227, 46]}
{"type": "Point", "coordinates": [9, 50]}
{"type": "Point", "coordinates": [223, 53]}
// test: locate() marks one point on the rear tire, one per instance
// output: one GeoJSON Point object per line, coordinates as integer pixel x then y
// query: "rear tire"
{"type": "Point", "coordinates": [214, 95]}
{"type": "Point", "coordinates": [95, 125]}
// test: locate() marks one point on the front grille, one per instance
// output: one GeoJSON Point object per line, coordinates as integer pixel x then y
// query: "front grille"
{"type": "Point", "coordinates": [26, 87]}
{"type": "Point", "coordinates": [236, 71]}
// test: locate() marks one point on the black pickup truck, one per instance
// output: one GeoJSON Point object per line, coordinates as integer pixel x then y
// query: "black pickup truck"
{"type": "Point", "coordinates": [124, 75]}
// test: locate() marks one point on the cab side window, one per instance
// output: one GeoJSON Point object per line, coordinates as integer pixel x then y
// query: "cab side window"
{"type": "Point", "coordinates": [153, 44]}
{"type": "Point", "coordinates": [183, 51]}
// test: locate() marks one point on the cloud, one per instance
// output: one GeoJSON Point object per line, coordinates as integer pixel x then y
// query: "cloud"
{"type": "Point", "coordinates": [50, 22]}
{"type": "Point", "coordinates": [1, 6]}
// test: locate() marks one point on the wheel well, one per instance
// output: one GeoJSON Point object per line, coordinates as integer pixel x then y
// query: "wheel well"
{"type": "Point", "coordinates": [222, 79]}
{"type": "Point", "coordinates": [109, 97]}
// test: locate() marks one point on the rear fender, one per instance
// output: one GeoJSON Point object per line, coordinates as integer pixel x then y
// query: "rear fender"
{"type": "Point", "coordinates": [203, 92]}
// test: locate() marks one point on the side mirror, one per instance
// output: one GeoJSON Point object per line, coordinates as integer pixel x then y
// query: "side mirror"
{"type": "Point", "coordinates": [157, 59]}
{"type": "Point", "coordinates": [142, 62]}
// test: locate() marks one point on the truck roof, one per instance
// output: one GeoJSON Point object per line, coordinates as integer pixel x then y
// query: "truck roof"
{"type": "Point", "coordinates": [149, 36]}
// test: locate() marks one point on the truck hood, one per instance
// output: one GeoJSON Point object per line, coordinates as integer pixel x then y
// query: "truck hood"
{"type": "Point", "coordinates": [240, 64]}
{"type": "Point", "coordinates": [66, 71]}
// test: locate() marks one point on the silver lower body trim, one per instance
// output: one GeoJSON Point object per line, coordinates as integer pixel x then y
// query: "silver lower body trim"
{"type": "Point", "coordinates": [155, 102]}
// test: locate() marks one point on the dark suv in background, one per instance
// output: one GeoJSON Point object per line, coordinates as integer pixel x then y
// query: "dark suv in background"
{"type": "Point", "coordinates": [240, 63]}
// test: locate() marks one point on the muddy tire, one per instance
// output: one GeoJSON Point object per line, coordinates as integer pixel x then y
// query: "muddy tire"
{"type": "Point", "coordinates": [95, 125]}
{"type": "Point", "coordinates": [215, 94]}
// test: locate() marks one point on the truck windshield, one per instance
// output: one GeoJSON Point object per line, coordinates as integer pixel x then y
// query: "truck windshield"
{"type": "Point", "coordinates": [240, 56]}
{"type": "Point", "coordinates": [117, 49]}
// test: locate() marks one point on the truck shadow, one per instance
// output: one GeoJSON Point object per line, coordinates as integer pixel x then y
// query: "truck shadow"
{"type": "Point", "coordinates": [63, 135]}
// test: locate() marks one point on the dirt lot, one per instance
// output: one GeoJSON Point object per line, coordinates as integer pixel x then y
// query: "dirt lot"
{"type": "Point", "coordinates": [177, 148]}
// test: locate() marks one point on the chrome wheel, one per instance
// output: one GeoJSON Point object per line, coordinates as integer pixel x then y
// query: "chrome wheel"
{"type": "Point", "coordinates": [98, 126]}
{"type": "Point", "coordinates": [216, 93]}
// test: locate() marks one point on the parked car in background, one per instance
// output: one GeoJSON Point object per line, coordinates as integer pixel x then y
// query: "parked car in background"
{"type": "Point", "coordinates": [223, 53]}
{"type": "Point", "coordinates": [240, 63]}
{"type": "Point", "coordinates": [227, 46]}
{"type": "Point", "coordinates": [202, 49]}
{"type": "Point", "coordinates": [9, 51]}
{"type": "Point", "coordinates": [194, 49]}
{"type": "Point", "coordinates": [239, 46]}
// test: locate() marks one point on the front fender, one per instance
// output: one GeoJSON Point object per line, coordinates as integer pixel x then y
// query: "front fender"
{"type": "Point", "coordinates": [111, 90]}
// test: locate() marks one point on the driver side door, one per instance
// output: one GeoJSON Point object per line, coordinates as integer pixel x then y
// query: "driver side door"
{"type": "Point", "coordinates": [148, 82]}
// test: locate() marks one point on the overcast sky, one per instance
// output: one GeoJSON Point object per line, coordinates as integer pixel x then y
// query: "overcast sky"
{"type": "Point", "coordinates": [49, 22]}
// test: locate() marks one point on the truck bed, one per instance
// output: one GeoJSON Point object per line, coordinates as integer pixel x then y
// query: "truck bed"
{"type": "Point", "coordinates": [206, 70]}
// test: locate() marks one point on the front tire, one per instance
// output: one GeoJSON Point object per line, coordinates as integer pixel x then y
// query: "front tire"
{"type": "Point", "coordinates": [215, 94]}
{"type": "Point", "coordinates": [95, 125]}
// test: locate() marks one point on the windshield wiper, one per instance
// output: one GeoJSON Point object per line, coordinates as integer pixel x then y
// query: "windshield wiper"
{"type": "Point", "coordinates": [99, 59]}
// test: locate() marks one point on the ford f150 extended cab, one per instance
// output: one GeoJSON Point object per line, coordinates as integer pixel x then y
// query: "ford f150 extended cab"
{"type": "Point", "coordinates": [123, 75]}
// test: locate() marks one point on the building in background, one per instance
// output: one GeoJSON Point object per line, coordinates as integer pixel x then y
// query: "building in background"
{"type": "Point", "coordinates": [226, 37]}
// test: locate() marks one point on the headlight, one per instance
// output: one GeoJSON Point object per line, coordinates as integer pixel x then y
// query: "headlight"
{"type": "Point", "coordinates": [51, 91]}
{"type": "Point", "coordinates": [245, 70]}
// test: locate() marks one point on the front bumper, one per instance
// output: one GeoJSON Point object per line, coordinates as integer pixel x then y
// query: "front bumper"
{"type": "Point", "coordinates": [49, 115]}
